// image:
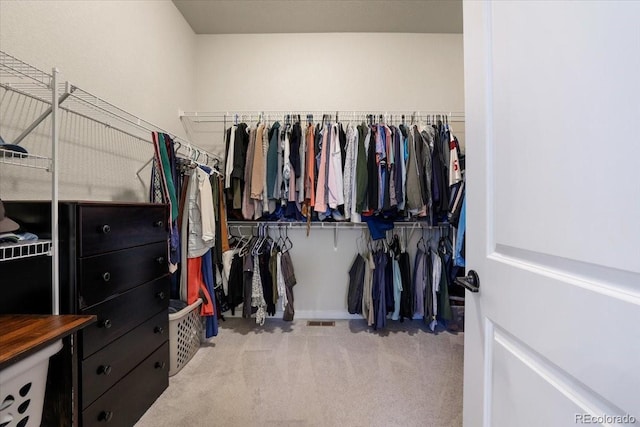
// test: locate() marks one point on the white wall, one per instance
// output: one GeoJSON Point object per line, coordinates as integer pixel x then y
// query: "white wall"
{"type": "Point", "coordinates": [330, 71]}
{"type": "Point", "coordinates": [326, 71]}
{"type": "Point", "coordinates": [138, 55]}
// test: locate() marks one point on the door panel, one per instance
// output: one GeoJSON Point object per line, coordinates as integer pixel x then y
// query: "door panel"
{"type": "Point", "coordinates": [515, 377]}
{"type": "Point", "coordinates": [563, 81]}
{"type": "Point", "coordinates": [551, 92]}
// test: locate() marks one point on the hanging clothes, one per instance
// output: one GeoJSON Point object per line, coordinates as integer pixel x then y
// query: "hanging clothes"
{"type": "Point", "coordinates": [309, 184]}
{"type": "Point", "coordinates": [379, 300]}
{"type": "Point", "coordinates": [397, 289]}
{"type": "Point", "coordinates": [362, 177]}
{"type": "Point", "coordinates": [209, 313]}
{"type": "Point", "coordinates": [257, 169]}
{"type": "Point", "coordinates": [247, 285]}
{"type": "Point", "coordinates": [414, 201]}
{"type": "Point", "coordinates": [426, 173]}
{"type": "Point", "coordinates": [230, 148]}
{"type": "Point", "coordinates": [236, 283]}
{"type": "Point", "coordinates": [406, 296]}
{"type": "Point", "coordinates": [272, 161]}
{"type": "Point", "coordinates": [201, 216]}
{"type": "Point", "coordinates": [430, 301]}
{"type": "Point", "coordinates": [164, 181]}
{"type": "Point", "coordinates": [349, 183]}
{"type": "Point", "coordinates": [356, 285]}
{"type": "Point", "coordinates": [257, 293]}
{"type": "Point", "coordinates": [321, 189]}
{"type": "Point", "coordinates": [300, 178]}
{"type": "Point", "coordinates": [367, 296]}
{"type": "Point", "coordinates": [239, 160]}
{"type": "Point", "coordinates": [444, 304]}
{"type": "Point", "coordinates": [267, 284]}
{"type": "Point", "coordinates": [248, 208]}
{"type": "Point", "coordinates": [265, 151]}
{"type": "Point", "coordinates": [289, 277]}
{"type": "Point", "coordinates": [373, 178]}
{"type": "Point", "coordinates": [335, 179]}
{"type": "Point", "coordinates": [419, 283]}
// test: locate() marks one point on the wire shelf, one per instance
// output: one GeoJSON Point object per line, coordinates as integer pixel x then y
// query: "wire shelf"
{"type": "Point", "coordinates": [25, 160]}
{"type": "Point", "coordinates": [15, 71]}
{"type": "Point", "coordinates": [93, 107]}
{"type": "Point", "coordinates": [88, 105]}
{"type": "Point", "coordinates": [26, 80]}
{"type": "Point", "coordinates": [13, 251]}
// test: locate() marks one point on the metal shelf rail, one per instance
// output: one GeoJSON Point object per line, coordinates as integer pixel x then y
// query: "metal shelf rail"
{"type": "Point", "coordinates": [389, 117]}
{"type": "Point", "coordinates": [405, 226]}
{"type": "Point", "coordinates": [18, 76]}
{"type": "Point", "coordinates": [9, 252]}
{"type": "Point", "coordinates": [26, 160]}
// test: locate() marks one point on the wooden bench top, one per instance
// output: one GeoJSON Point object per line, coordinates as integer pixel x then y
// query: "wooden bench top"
{"type": "Point", "coordinates": [23, 334]}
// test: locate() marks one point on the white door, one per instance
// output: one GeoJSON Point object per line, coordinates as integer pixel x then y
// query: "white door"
{"type": "Point", "coordinates": [553, 147]}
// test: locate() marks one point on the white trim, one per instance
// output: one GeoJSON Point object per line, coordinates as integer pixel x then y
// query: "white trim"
{"type": "Point", "coordinates": [487, 392]}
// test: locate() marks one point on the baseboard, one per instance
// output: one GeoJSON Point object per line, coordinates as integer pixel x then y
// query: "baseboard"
{"type": "Point", "coordinates": [327, 314]}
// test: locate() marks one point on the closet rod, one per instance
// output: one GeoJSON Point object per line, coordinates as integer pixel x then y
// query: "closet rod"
{"type": "Point", "coordinates": [230, 117]}
{"type": "Point", "coordinates": [331, 225]}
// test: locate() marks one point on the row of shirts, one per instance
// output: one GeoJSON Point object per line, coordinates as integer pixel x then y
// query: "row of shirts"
{"type": "Point", "coordinates": [381, 287]}
{"type": "Point", "coordinates": [339, 170]}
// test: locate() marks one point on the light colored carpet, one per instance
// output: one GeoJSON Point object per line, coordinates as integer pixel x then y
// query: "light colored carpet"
{"type": "Point", "coordinates": [291, 374]}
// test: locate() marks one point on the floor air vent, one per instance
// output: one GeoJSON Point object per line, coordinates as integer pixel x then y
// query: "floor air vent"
{"type": "Point", "coordinates": [321, 323]}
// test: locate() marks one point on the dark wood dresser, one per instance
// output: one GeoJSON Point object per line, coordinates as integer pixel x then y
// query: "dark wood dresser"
{"type": "Point", "coordinates": [113, 264]}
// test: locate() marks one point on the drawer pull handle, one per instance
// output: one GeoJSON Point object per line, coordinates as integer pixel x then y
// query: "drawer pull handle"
{"type": "Point", "coordinates": [104, 370]}
{"type": "Point", "coordinates": [106, 229]}
{"type": "Point", "coordinates": [161, 295]}
{"type": "Point", "coordinates": [106, 324]}
{"type": "Point", "coordinates": [160, 260]}
{"type": "Point", "coordinates": [106, 276]}
{"type": "Point", "coordinates": [160, 365]}
{"type": "Point", "coordinates": [158, 224]}
{"type": "Point", "coordinates": [105, 416]}
{"type": "Point", "coordinates": [158, 330]}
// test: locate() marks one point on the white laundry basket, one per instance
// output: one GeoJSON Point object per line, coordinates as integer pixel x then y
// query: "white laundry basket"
{"type": "Point", "coordinates": [185, 332]}
{"type": "Point", "coordinates": [22, 387]}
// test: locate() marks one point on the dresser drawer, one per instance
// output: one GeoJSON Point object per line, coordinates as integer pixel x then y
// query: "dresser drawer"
{"type": "Point", "coordinates": [107, 366]}
{"type": "Point", "coordinates": [129, 399]}
{"type": "Point", "coordinates": [109, 274]}
{"type": "Point", "coordinates": [123, 313]}
{"type": "Point", "coordinates": [104, 228]}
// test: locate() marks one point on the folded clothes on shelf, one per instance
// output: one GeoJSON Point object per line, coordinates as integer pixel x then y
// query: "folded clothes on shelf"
{"type": "Point", "coordinates": [12, 147]}
{"type": "Point", "coordinates": [17, 237]}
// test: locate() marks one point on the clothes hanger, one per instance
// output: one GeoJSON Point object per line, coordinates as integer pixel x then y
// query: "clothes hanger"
{"type": "Point", "coordinates": [256, 243]}
{"type": "Point", "coordinates": [360, 243]}
{"type": "Point", "coordinates": [287, 242]}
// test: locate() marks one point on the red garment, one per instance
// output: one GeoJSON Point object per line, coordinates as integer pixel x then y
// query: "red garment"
{"type": "Point", "coordinates": [196, 288]}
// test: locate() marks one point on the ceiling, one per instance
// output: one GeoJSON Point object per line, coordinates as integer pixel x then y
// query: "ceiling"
{"type": "Point", "coordinates": [321, 16]}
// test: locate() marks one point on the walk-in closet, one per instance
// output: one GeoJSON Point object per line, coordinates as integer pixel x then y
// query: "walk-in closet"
{"type": "Point", "coordinates": [318, 213]}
